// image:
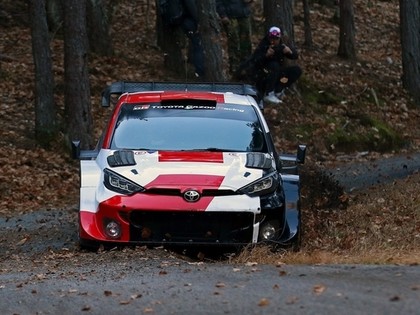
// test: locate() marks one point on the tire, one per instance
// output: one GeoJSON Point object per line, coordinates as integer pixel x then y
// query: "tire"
{"type": "Point", "coordinates": [89, 245]}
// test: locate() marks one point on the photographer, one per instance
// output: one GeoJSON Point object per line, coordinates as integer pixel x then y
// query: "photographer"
{"type": "Point", "coordinates": [272, 75]}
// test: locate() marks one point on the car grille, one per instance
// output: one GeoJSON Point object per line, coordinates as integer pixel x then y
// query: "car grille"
{"type": "Point", "coordinates": [177, 192]}
{"type": "Point", "coordinates": [182, 227]}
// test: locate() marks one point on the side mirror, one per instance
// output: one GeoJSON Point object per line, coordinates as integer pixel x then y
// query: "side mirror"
{"type": "Point", "coordinates": [301, 154]}
{"type": "Point", "coordinates": [79, 154]}
{"type": "Point", "coordinates": [75, 149]}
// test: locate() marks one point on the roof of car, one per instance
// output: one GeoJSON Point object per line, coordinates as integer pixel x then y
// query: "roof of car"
{"type": "Point", "coordinates": [157, 91]}
{"type": "Point", "coordinates": [158, 96]}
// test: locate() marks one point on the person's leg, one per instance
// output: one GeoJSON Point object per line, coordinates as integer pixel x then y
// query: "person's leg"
{"type": "Point", "coordinates": [288, 76]}
{"type": "Point", "coordinates": [190, 29]}
{"type": "Point", "coordinates": [273, 72]}
{"type": "Point", "coordinates": [272, 79]}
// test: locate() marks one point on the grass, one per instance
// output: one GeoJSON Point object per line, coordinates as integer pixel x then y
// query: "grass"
{"type": "Point", "coordinates": [379, 225]}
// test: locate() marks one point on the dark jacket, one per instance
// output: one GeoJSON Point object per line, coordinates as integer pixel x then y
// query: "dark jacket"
{"type": "Point", "coordinates": [233, 8]}
{"type": "Point", "coordinates": [259, 55]}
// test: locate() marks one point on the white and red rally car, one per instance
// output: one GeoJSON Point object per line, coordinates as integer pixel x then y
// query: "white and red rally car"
{"type": "Point", "coordinates": [187, 164]}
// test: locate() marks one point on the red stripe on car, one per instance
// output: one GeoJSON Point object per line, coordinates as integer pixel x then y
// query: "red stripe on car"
{"type": "Point", "coordinates": [178, 156]}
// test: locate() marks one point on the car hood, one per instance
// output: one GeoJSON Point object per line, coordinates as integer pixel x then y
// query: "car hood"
{"type": "Point", "coordinates": [193, 169]}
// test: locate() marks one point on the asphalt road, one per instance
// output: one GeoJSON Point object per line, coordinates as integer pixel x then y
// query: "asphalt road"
{"type": "Point", "coordinates": [360, 175]}
{"type": "Point", "coordinates": [43, 272]}
{"type": "Point", "coordinates": [174, 286]}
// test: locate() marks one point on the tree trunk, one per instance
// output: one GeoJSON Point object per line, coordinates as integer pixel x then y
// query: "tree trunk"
{"type": "Point", "coordinates": [98, 27]}
{"type": "Point", "coordinates": [77, 91]}
{"type": "Point", "coordinates": [410, 44]}
{"type": "Point", "coordinates": [346, 47]}
{"type": "Point", "coordinates": [280, 13]}
{"type": "Point", "coordinates": [210, 31]}
{"type": "Point", "coordinates": [175, 44]}
{"type": "Point", "coordinates": [45, 112]}
{"type": "Point", "coordinates": [172, 42]}
{"type": "Point", "coordinates": [55, 15]}
{"type": "Point", "coordinates": [307, 24]}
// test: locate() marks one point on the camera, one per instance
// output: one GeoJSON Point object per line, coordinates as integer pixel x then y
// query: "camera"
{"type": "Point", "coordinates": [279, 48]}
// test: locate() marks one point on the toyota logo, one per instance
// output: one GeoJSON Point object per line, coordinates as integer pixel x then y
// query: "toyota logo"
{"type": "Point", "coordinates": [191, 196]}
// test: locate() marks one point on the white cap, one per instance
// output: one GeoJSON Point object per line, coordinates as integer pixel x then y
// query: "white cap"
{"type": "Point", "coordinates": [274, 32]}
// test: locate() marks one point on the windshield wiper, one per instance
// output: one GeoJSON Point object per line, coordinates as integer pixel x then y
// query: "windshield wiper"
{"type": "Point", "coordinates": [144, 149]}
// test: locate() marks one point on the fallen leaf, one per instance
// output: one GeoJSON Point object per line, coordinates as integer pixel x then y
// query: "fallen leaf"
{"type": "Point", "coordinates": [86, 308]}
{"type": "Point", "coordinates": [263, 302]}
{"type": "Point", "coordinates": [395, 298]}
{"type": "Point", "coordinates": [22, 241]}
{"type": "Point", "coordinates": [319, 289]}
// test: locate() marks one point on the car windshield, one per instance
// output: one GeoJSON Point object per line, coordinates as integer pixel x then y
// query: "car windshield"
{"type": "Point", "coordinates": [188, 125]}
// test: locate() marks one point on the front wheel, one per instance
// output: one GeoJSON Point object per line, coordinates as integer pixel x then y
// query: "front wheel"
{"type": "Point", "coordinates": [89, 245]}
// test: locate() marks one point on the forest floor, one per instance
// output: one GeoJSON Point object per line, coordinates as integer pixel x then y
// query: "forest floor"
{"type": "Point", "coordinates": [335, 97]}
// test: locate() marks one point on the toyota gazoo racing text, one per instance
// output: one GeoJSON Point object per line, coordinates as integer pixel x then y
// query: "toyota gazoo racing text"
{"type": "Point", "coordinates": [187, 164]}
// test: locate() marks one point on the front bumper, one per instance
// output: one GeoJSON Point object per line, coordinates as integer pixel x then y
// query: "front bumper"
{"type": "Point", "coordinates": [172, 227]}
{"type": "Point", "coordinates": [177, 226]}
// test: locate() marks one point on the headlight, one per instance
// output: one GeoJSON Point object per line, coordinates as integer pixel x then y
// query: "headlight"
{"type": "Point", "coordinates": [263, 186]}
{"type": "Point", "coordinates": [120, 184]}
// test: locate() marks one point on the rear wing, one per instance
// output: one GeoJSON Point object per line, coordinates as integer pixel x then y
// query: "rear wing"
{"type": "Point", "coordinates": [118, 88]}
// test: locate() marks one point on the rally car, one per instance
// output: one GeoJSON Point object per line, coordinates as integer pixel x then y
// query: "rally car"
{"type": "Point", "coordinates": [187, 164]}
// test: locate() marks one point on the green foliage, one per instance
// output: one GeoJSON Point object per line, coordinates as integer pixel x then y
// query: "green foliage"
{"type": "Point", "coordinates": [364, 133]}
{"type": "Point", "coordinates": [304, 132]}
{"type": "Point", "coordinates": [315, 96]}
{"type": "Point", "coordinates": [348, 129]}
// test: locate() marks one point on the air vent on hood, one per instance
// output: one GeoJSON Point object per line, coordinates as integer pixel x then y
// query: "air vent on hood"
{"type": "Point", "coordinates": [121, 158]}
{"type": "Point", "coordinates": [258, 160]}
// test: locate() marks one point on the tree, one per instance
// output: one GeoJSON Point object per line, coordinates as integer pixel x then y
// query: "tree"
{"type": "Point", "coordinates": [307, 23]}
{"type": "Point", "coordinates": [45, 112]}
{"type": "Point", "coordinates": [175, 45]}
{"type": "Point", "coordinates": [346, 48]}
{"type": "Point", "coordinates": [173, 42]}
{"type": "Point", "coordinates": [211, 32]}
{"type": "Point", "coordinates": [54, 15]}
{"type": "Point", "coordinates": [77, 90]}
{"type": "Point", "coordinates": [99, 16]}
{"type": "Point", "coordinates": [410, 44]}
{"type": "Point", "coordinates": [280, 13]}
